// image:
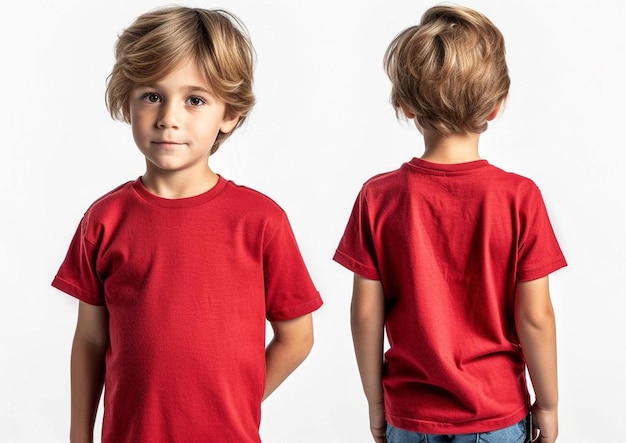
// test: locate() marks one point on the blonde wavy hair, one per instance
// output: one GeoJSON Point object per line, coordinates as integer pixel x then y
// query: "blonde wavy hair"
{"type": "Point", "coordinates": [155, 44]}
{"type": "Point", "coordinates": [450, 70]}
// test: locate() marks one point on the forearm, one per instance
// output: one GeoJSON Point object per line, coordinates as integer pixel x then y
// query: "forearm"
{"type": "Point", "coordinates": [89, 348]}
{"type": "Point", "coordinates": [536, 330]}
{"type": "Point", "coordinates": [87, 381]}
{"type": "Point", "coordinates": [367, 314]}
{"type": "Point", "coordinates": [292, 342]}
{"type": "Point", "coordinates": [539, 345]}
{"type": "Point", "coordinates": [367, 336]}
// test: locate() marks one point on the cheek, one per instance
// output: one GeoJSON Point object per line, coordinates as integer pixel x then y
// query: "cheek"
{"type": "Point", "coordinates": [138, 121]}
{"type": "Point", "coordinates": [138, 127]}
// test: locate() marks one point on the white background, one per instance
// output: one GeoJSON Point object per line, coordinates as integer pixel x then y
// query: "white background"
{"type": "Point", "coordinates": [322, 126]}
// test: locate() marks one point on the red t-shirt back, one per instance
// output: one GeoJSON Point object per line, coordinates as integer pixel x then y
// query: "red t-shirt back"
{"type": "Point", "coordinates": [449, 243]}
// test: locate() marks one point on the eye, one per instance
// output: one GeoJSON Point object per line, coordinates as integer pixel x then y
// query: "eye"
{"type": "Point", "coordinates": [151, 97]}
{"type": "Point", "coordinates": [196, 101]}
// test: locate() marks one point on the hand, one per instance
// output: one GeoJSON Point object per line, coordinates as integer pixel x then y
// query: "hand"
{"type": "Point", "coordinates": [545, 425]}
{"type": "Point", "coordinates": [378, 424]}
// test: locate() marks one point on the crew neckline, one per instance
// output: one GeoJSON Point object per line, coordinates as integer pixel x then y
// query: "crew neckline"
{"type": "Point", "coordinates": [447, 168]}
{"type": "Point", "coordinates": [184, 202]}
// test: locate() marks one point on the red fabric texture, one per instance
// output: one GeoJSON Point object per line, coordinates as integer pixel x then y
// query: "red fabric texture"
{"type": "Point", "coordinates": [189, 284]}
{"type": "Point", "coordinates": [449, 243]}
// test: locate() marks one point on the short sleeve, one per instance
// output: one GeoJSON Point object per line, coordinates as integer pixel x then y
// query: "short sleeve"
{"type": "Point", "coordinates": [289, 290]}
{"type": "Point", "coordinates": [77, 275]}
{"type": "Point", "coordinates": [539, 253]}
{"type": "Point", "coordinates": [356, 249]}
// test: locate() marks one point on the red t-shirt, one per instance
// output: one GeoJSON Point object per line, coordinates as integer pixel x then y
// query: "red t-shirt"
{"type": "Point", "coordinates": [449, 243]}
{"type": "Point", "coordinates": [188, 284]}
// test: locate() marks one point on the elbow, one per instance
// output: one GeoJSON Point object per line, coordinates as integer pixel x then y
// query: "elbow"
{"type": "Point", "coordinates": [294, 338]}
{"type": "Point", "coordinates": [300, 347]}
{"type": "Point", "coordinates": [360, 314]}
{"type": "Point", "coordinates": [537, 318]}
{"type": "Point", "coordinates": [533, 307]}
{"type": "Point", "coordinates": [366, 316]}
{"type": "Point", "coordinates": [306, 344]}
{"type": "Point", "coordinates": [536, 323]}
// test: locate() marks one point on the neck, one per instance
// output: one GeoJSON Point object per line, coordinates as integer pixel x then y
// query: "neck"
{"type": "Point", "coordinates": [178, 184]}
{"type": "Point", "coordinates": [450, 149]}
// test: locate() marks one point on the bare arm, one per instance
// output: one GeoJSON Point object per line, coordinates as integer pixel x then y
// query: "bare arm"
{"type": "Point", "coordinates": [292, 342]}
{"type": "Point", "coordinates": [91, 340]}
{"type": "Point", "coordinates": [537, 333]}
{"type": "Point", "coordinates": [367, 321]}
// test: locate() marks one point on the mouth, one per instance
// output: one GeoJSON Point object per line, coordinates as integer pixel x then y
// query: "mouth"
{"type": "Point", "coordinates": [167, 144]}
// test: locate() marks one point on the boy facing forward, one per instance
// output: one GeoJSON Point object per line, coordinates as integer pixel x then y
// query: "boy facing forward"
{"type": "Point", "coordinates": [177, 271]}
{"type": "Point", "coordinates": [451, 255]}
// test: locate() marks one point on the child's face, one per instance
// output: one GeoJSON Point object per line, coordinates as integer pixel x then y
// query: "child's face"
{"type": "Point", "coordinates": [175, 121]}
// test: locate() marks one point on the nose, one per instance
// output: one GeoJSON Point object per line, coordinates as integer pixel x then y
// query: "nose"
{"type": "Point", "coordinates": [168, 116]}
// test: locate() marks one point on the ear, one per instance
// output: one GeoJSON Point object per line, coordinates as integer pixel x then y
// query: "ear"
{"type": "Point", "coordinates": [407, 111]}
{"type": "Point", "coordinates": [494, 113]}
{"type": "Point", "coordinates": [229, 122]}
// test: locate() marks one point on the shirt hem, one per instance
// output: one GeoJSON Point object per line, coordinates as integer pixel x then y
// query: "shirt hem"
{"type": "Point", "coordinates": [533, 273]}
{"type": "Point", "coordinates": [299, 311]}
{"type": "Point", "coordinates": [358, 268]}
{"type": "Point", "coordinates": [478, 426]}
{"type": "Point", "coordinates": [75, 291]}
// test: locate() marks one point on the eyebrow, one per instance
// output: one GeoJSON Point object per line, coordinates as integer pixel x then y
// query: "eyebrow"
{"type": "Point", "coordinates": [197, 88]}
{"type": "Point", "coordinates": [188, 88]}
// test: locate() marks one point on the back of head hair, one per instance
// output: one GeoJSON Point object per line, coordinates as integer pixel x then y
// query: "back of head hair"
{"type": "Point", "coordinates": [158, 41]}
{"type": "Point", "coordinates": [450, 70]}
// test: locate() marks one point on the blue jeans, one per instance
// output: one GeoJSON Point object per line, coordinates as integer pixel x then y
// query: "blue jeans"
{"type": "Point", "coordinates": [512, 434]}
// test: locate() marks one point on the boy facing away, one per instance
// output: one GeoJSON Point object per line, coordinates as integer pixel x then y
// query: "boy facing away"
{"type": "Point", "coordinates": [451, 256]}
{"type": "Point", "coordinates": [177, 271]}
